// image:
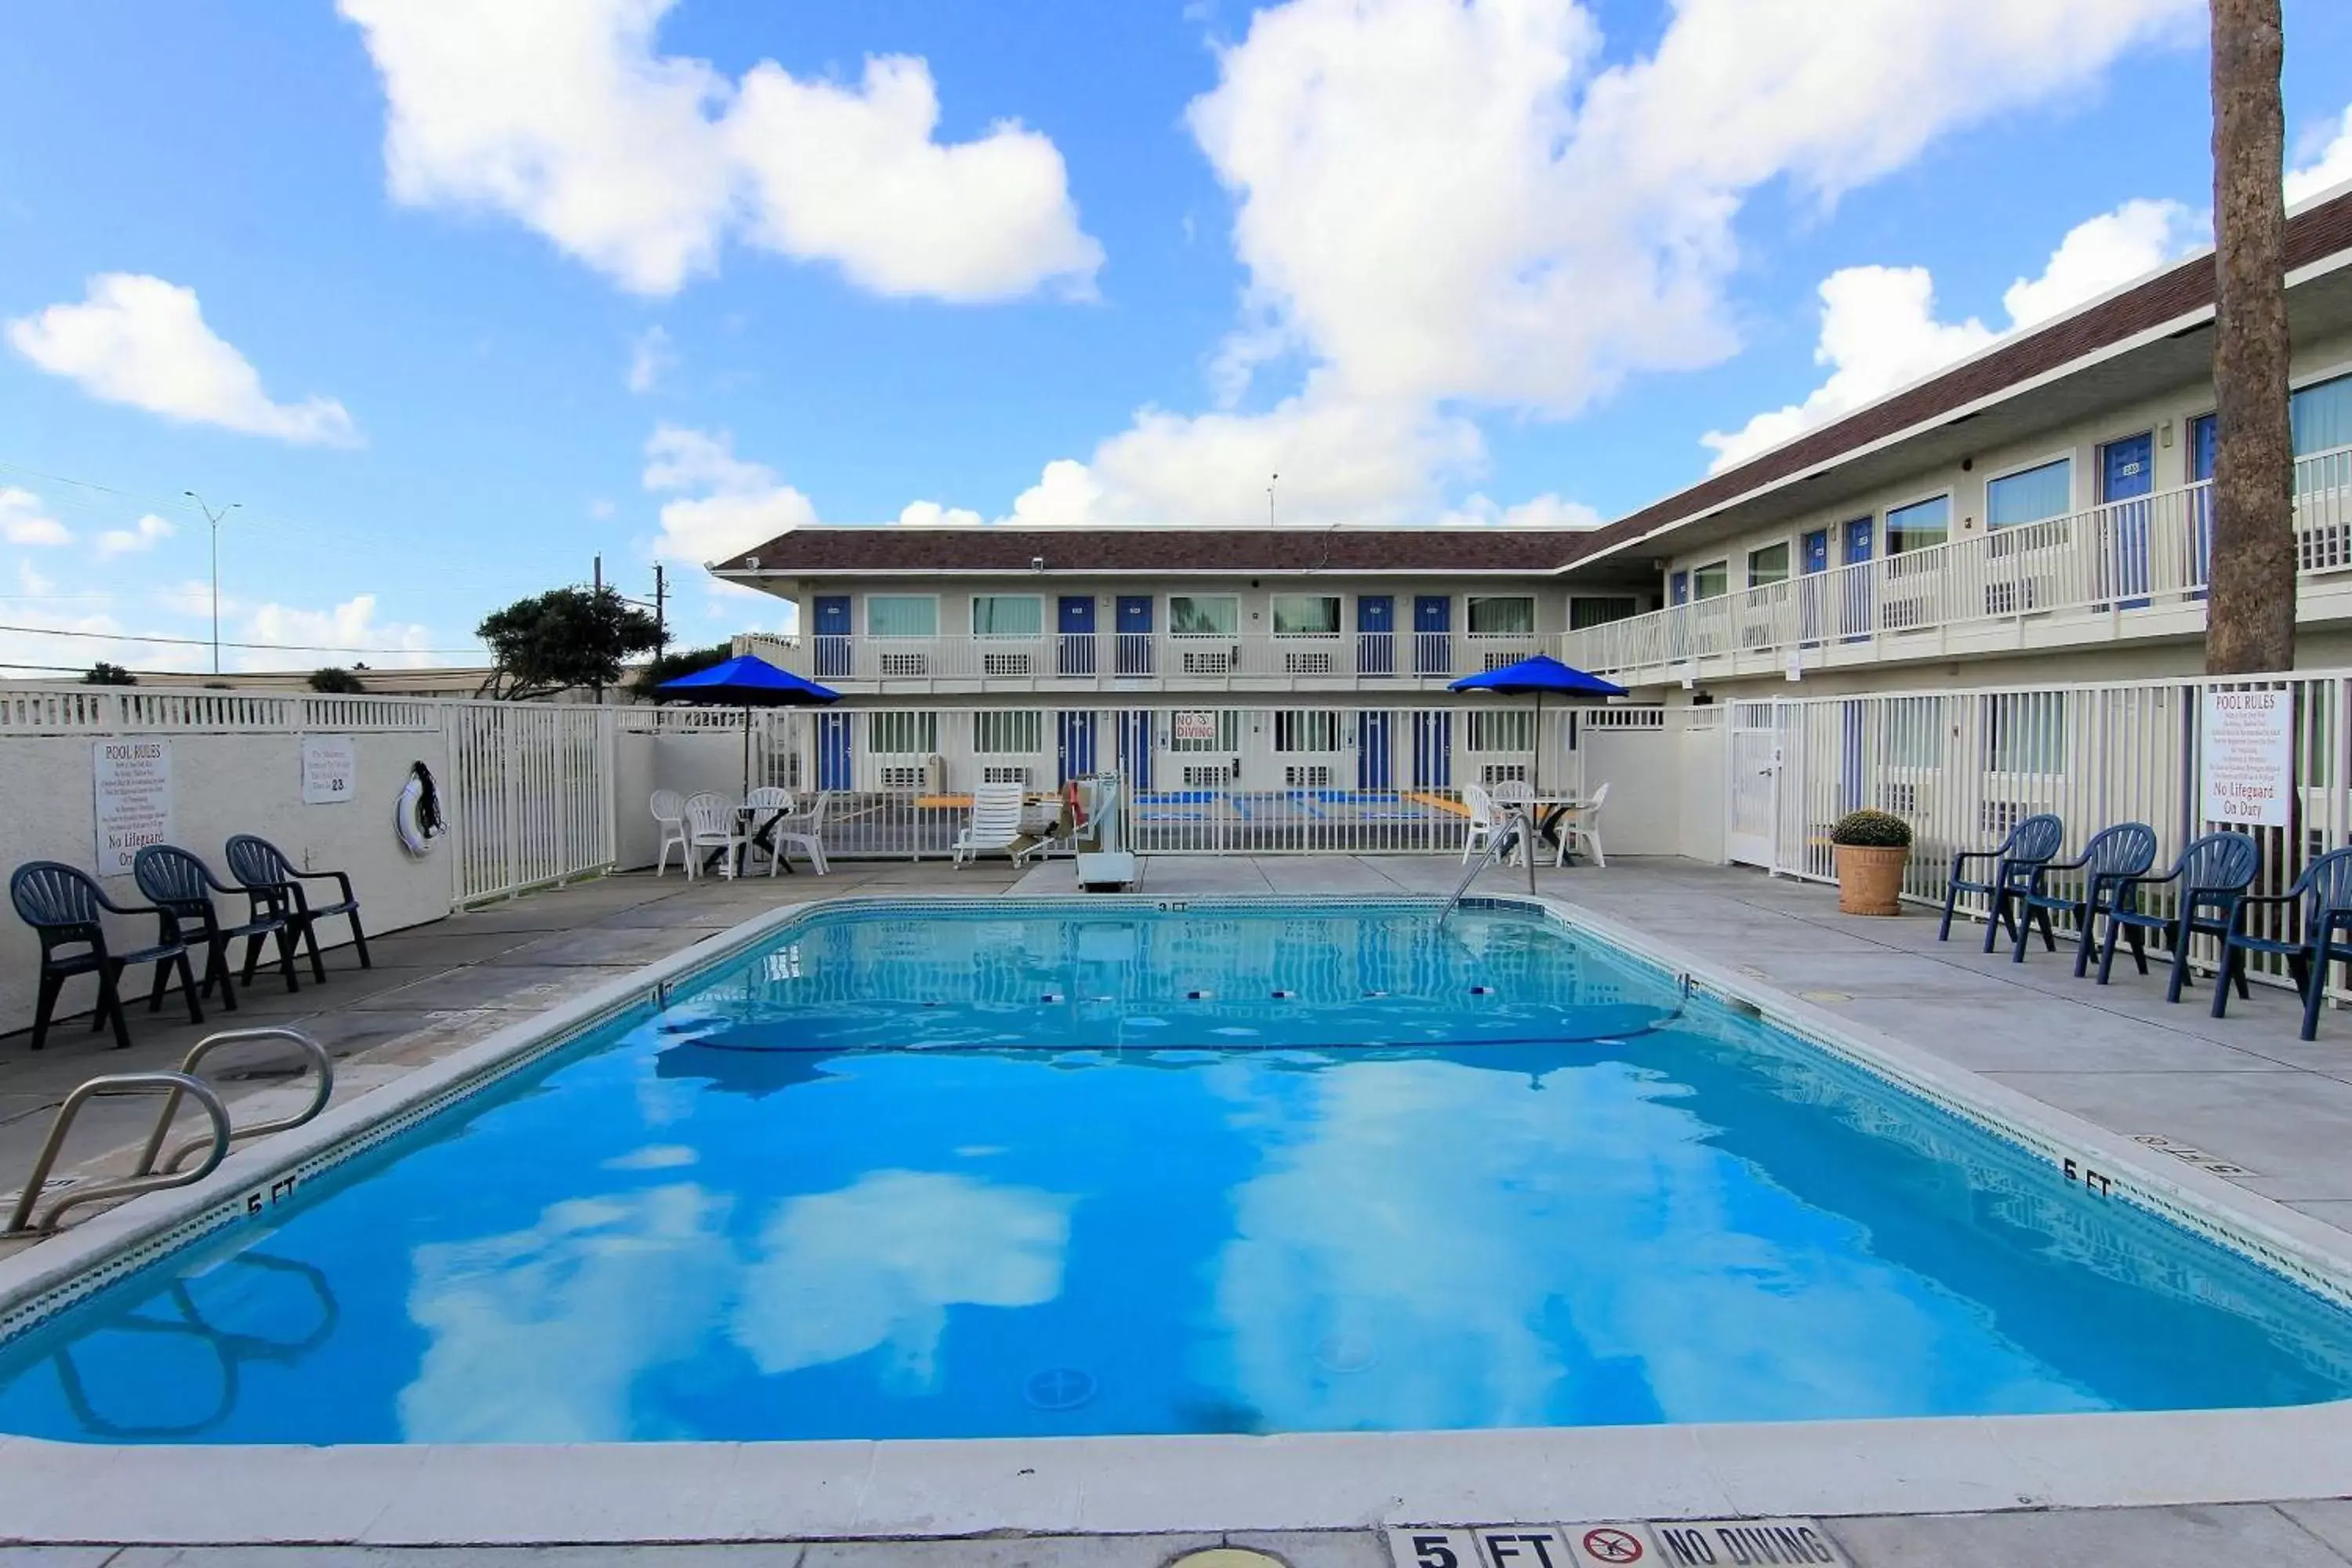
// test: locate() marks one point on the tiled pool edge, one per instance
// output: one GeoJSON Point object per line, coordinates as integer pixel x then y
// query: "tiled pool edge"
{"type": "Point", "coordinates": [627, 1493]}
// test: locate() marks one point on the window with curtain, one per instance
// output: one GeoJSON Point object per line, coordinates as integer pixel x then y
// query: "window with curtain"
{"type": "Point", "coordinates": [2034, 495]}
{"type": "Point", "coordinates": [1599, 612]}
{"type": "Point", "coordinates": [905, 734]}
{"type": "Point", "coordinates": [1919, 526]}
{"type": "Point", "coordinates": [1310, 731]}
{"type": "Point", "coordinates": [1205, 615]}
{"type": "Point", "coordinates": [1502, 730]}
{"type": "Point", "coordinates": [901, 616]}
{"type": "Point", "coordinates": [1711, 582]}
{"type": "Point", "coordinates": [1021, 732]}
{"type": "Point", "coordinates": [2320, 417]}
{"type": "Point", "coordinates": [1911, 732]}
{"type": "Point", "coordinates": [2025, 732]}
{"type": "Point", "coordinates": [1306, 615]}
{"type": "Point", "coordinates": [1768, 565]}
{"type": "Point", "coordinates": [1511, 618]}
{"type": "Point", "coordinates": [1007, 615]}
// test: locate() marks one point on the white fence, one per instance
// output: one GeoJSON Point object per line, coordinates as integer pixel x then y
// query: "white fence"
{"type": "Point", "coordinates": [530, 797]}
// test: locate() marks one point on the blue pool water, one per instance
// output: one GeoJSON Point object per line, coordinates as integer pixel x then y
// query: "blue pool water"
{"type": "Point", "coordinates": [1019, 1171]}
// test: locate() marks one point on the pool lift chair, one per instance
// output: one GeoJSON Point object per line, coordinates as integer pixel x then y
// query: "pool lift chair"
{"type": "Point", "coordinates": [1104, 863]}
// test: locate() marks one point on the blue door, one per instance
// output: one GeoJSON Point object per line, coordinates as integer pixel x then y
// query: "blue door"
{"type": "Point", "coordinates": [1433, 751]}
{"type": "Point", "coordinates": [1813, 559]}
{"type": "Point", "coordinates": [1375, 635]}
{"type": "Point", "coordinates": [2203, 431]}
{"type": "Point", "coordinates": [1375, 751]}
{"type": "Point", "coordinates": [832, 751]}
{"type": "Point", "coordinates": [2127, 474]}
{"type": "Point", "coordinates": [1678, 588]}
{"type": "Point", "coordinates": [1433, 644]}
{"type": "Point", "coordinates": [1135, 637]}
{"type": "Point", "coordinates": [832, 637]}
{"type": "Point", "coordinates": [1850, 797]}
{"type": "Point", "coordinates": [1076, 744]}
{"type": "Point", "coordinates": [1075, 620]}
{"type": "Point", "coordinates": [1858, 601]}
{"type": "Point", "coordinates": [1135, 749]}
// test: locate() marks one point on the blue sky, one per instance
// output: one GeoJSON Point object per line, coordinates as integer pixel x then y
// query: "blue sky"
{"type": "Point", "coordinates": [1474, 261]}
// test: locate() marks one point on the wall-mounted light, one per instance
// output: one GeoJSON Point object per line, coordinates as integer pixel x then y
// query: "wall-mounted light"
{"type": "Point", "coordinates": [2164, 433]}
{"type": "Point", "coordinates": [1037, 563]}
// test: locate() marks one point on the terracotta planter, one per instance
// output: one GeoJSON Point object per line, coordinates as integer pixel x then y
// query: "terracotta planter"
{"type": "Point", "coordinates": [1869, 880]}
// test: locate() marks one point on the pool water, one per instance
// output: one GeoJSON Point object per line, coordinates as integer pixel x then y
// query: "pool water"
{"type": "Point", "coordinates": [1031, 1170]}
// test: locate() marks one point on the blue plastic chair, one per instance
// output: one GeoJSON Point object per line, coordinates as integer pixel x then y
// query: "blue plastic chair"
{"type": "Point", "coordinates": [2030, 844]}
{"type": "Point", "coordinates": [176, 881]}
{"type": "Point", "coordinates": [62, 904]}
{"type": "Point", "coordinates": [262, 869]}
{"type": "Point", "coordinates": [2213, 873]}
{"type": "Point", "coordinates": [2325, 891]}
{"type": "Point", "coordinates": [2114, 857]}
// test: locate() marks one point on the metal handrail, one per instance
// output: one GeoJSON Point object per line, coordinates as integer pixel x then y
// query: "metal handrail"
{"type": "Point", "coordinates": [176, 1084]}
{"type": "Point", "coordinates": [319, 1060]}
{"type": "Point", "coordinates": [1515, 827]}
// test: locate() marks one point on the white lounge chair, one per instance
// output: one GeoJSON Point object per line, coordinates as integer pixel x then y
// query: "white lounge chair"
{"type": "Point", "coordinates": [804, 830]}
{"type": "Point", "coordinates": [712, 822]}
{"type": "Point", "coordinates": [669, 815]}
{"type": "Point", "coordinates": [1582, 821]}
{"type": "Point", "coordinates": [995, 823]}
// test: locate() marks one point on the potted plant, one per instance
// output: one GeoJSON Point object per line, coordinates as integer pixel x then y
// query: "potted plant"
{"type": "Point", "coordinates": [1872, 848]}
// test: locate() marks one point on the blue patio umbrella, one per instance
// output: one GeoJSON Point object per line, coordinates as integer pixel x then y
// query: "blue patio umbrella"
{"type": "Point", "coordinates": [746, 682]}
{"type": "Point", "coordinates": [1537, 676]}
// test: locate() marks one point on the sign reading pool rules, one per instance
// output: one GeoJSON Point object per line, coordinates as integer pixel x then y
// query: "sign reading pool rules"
{"type": "Point", "coordinates": [2248, 757]}
{"type": "Point", "coordinates": [131, 780]}
{"type": "Point", "coordinates": [329, 764]}
{"type": "Point", "coordinates": [1659, 1544]}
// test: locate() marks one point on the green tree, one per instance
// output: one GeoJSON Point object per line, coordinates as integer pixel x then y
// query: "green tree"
{"type": "Point", "coordinates": [105, 674]}
{"type": "Point", "coordinates": [670, 666]}
{"type": "Point", "coordinates": [564, 639]}
{"type": "Point", "coordinates": [336, 679]}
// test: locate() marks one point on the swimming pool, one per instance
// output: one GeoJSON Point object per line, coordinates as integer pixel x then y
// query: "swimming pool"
{"type": "Point", "coordinates": [1010, 1169]}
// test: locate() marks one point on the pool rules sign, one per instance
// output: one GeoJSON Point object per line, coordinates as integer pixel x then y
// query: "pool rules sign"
{"type": "Point", "coordinates": [2247, 757]}
{"type": "Point", "coordinates": [132, 783]}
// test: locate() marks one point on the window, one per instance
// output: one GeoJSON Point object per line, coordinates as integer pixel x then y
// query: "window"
{"type": "Point", "coordinates": [1007, 615]}
{"type": "Point", "coordinates": [1312, 731]}
{"type": "Point", "coordinates": [1205, 730]}
{"type": "Point", "coordinates": [905, 734]}
{"type": "Point", "coordinates": [2035, 495]}
{"type": "Point", "coordinates": [1021, 732]}
{"type": "Point", "coordinates": [1768, 565]}
{"type": "Point", "coordinates": [1589, 612]}
{"type": "Point", "coordinates": [1919, 525]}
{"type": "Point", "coordinates": [2320, 417]}
{"type": "Point", "coordinates": [2026, 732]}
{"type": "Point", "coordinates": [1711, 582]}
{"type": "Point", "coordinates": [901, 616]}
{"type": "Point", "coordinates": [1204, 616]}
{"type": "Point", "coordinates": [1502, 730]}
{"type": "Point", "coordinates": [1513, 617]}
{"type": "Point", "coordinates": [1911, 732]}
{"type": "Point", "coordinates": [1306, 615]}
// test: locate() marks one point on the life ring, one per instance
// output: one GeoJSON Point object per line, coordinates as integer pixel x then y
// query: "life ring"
{"type": "Point", "coordinates": [1073, 805]}
{"type": "Point", "coordinates": [416, 813]}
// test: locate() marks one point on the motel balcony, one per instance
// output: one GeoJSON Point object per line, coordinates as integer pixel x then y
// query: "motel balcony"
{"type": "Point", "coordinates": [1146, 661]}
{"type": "Point", "coordinates": [2133, 570]}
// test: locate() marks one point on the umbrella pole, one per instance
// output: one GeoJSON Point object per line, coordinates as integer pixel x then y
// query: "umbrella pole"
{"type": "Point", "coordinates": [747, 748]}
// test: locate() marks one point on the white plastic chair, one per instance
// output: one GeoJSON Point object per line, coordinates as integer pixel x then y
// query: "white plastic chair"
{"type": "Point", "coordinates": [711, 823]}
{"type": "Point", "coordinates": [994, 824]}
{"type": "Point", "coordinates": [761, 805]}
{"type": "Point", "coordinates": [1484, 819]}
{"type": "Point", "coordinates": [1583, 822]}
{"type": "Point", "coordinates": [803, 830]}
{"type": "Point", "coordinates": [669, 815]}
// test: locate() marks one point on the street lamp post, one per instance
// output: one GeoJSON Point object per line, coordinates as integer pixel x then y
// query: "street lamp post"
{"type": "Point", "coordinates": [213, 519]}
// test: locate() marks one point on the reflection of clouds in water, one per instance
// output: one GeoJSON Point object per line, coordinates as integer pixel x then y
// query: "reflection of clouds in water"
{"type": "Point", "coordinates": [653, 1157]}
{"type": "Point", "coordinates": [881, 1261]}
{"type": "Point", "coordinates": [1512, 1258]}
{"type": "Point", "coordinates": [537, 1335]}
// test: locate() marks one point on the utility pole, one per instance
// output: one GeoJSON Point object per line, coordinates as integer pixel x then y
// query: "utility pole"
{"type": "Point", "coordinates": [597, 596]}
{"type": "Point", "coordinates": [661, 622]}
{"type": "Point", "coordinates": [212, 521]}
{"type": "Point", "coordinates": [1272, 480]}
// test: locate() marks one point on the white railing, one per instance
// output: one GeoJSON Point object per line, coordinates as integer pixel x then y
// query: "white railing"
{"type": "Point", "coordinates": [60, 709]}
{"type": "Point", "coordinates": [2092, 566]}
{"type": "Point", "coordinates": [530, 795]}
{"type": "Point", "coordinates": [1144, 660]}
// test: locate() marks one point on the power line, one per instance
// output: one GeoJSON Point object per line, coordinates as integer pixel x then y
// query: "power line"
{"type": "Point", "coordinates": [207, 642]}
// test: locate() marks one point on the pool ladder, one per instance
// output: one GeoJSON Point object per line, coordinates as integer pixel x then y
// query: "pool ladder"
{"type": "Point", "coordinates": [1517, 828]}
{"type": "Point", "coordinates": [156, 1171]}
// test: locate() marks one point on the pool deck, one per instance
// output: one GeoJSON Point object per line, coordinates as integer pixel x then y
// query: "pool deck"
{"type": "Point", "coordinates": [2241, 1089]}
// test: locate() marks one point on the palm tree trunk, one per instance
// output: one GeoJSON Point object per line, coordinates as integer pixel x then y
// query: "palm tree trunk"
{"type": "Point", "coordinates": [2250, 619]}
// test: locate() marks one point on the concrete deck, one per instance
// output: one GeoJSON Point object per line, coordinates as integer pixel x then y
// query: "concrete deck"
{"type": "Point", "coordinates": [2242, 1090]}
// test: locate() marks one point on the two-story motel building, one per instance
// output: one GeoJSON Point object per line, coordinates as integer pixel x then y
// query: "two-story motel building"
{"type": "Point", "coordinates": [2035, 513]}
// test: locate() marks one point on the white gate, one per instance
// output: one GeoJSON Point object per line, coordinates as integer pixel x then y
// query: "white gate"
{"type": "Point", "coordinates": [530, 795]}
{"type": "Point", "coordinates": [1752, 828]}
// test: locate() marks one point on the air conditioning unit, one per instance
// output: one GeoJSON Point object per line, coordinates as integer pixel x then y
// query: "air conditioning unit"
{"type": "Point", "coordinates": [1494, 773]}
{"type": "Point", "coordinates": [1211, 775]}
{"type": "Point", "coordinates": [1004, 664]}
{"type": "Point", "coordinates": [1302, 776]}
{"type": "Point", "coordinates": [1208, 661]}
{"type": "Point", "coordinates": [1307, 663]}
{"type": "Point", "coordinates": [1902, 615]}
{"type": "Point", "coordinates": [1899, 797]}
{"type": "Point", "coordinates": [1497, 658]}
{"type": "Point", "coordinates": [911, 778]}
{"type": "Point", "coordinates": [1996, 818]}
{"type": "Point", "coordinates": [903, 666]}
{"type": "Point", "coordinates": [1005, 775]}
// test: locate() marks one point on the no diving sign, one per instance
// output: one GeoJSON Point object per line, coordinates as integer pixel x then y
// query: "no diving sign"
{"type": "Point", "coordinates": [1682, 1543]}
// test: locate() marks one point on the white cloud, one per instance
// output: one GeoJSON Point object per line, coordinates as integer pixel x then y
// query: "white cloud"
{"type": "Point", "coordinates": [1547, 510]}
{"type": "Point", "coordinates": [23, 520]}
{"type": "Point", "coordinates": [2330, 165]}
{"type": "Point", "coordinates": [722, 504]}
{"type": "Point", "coordinates": [348, 633]}
{"type": "Point", "coordinates": [562, 114]}
{"type": "Point", "coordinates": [651, 357]}
{"type": "Point", "coordinates": [1880, 330]}
{"type": "Point", "coordinates": [931, 515]}
{"type": "Point", "coordinates": [142, 341]}
{"type": "Point", "coordinates": [140, 536]}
